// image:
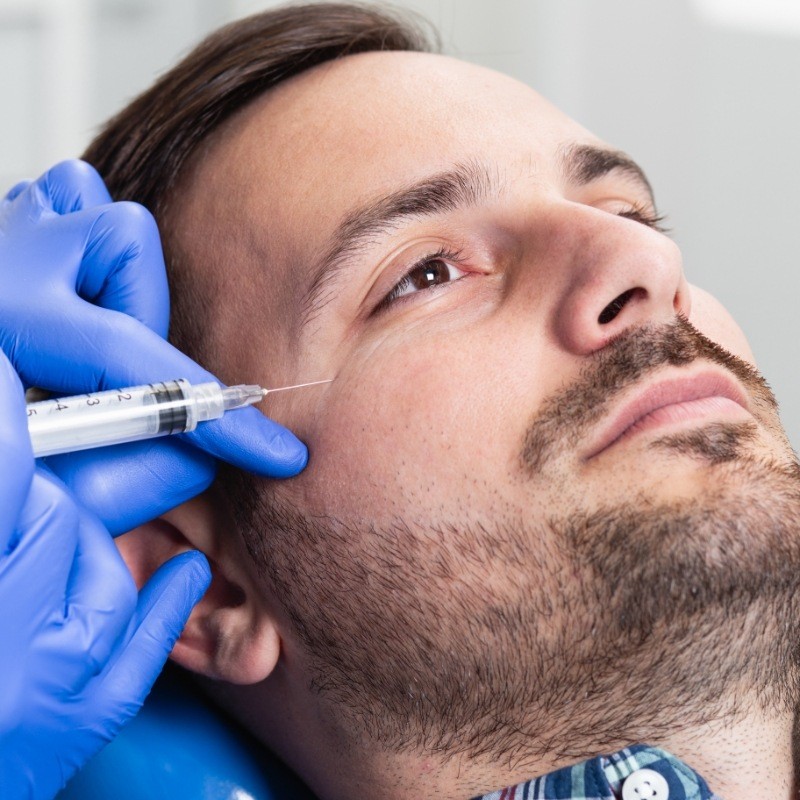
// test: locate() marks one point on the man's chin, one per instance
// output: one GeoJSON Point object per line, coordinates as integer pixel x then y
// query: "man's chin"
{"type": "Point", "coordinates": [732, 539]}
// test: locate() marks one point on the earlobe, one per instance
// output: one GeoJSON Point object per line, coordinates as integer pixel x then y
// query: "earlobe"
{"type": "Point", "coordinates": [228, 636]}
{"type": "Point", "coordinates": [231, 635]}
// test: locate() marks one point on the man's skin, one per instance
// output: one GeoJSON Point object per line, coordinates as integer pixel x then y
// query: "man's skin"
{"type": "Point", "coordinates": [433, 402]}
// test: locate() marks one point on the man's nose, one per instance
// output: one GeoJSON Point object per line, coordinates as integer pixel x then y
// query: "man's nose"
{"type": "Point", "coordinates": [609, 273]}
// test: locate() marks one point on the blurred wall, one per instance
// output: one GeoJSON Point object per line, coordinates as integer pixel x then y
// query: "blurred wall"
{"type": "Point", "coordinates": [703, 93]}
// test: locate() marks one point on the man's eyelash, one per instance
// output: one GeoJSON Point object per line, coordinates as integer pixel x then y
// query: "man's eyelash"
{"type": "Point", "coordinates": [646, 217]}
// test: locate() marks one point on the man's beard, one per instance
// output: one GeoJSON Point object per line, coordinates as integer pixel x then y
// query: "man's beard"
{"type": "Point", "coordinates": [519, 639]}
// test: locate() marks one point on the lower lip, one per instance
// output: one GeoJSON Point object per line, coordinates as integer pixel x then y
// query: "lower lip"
{"type": "Point", "coordinates": [679, 414]}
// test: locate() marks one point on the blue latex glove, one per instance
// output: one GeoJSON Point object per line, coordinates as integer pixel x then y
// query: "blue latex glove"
{"type": "Point", "coordinates": [84, 307]}
{"type": "Point", "coordinates": [79, 649]}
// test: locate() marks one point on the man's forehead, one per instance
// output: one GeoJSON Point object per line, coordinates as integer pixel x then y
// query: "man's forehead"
{"type": "Point", "coordinates": [375, 120]}
{"type": "Point", "coordinates": [298, 159]}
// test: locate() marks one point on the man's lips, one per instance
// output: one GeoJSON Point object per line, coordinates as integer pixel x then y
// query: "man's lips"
{"type": "Point", "coordinates": [672, 402]}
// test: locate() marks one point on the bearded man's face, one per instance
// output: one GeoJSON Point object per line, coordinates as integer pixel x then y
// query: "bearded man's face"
{"type": "Point", "coordinates": [545, 473]}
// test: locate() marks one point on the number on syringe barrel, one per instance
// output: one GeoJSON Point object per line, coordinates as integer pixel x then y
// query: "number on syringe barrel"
{"type": "Point", "coordinates": [120, 397]}
{"type": "Point", "coordinates": [86, 402]}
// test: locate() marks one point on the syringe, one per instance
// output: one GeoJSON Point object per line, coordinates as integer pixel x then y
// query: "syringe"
{"type": "Point", "coordinates": [67, 424]}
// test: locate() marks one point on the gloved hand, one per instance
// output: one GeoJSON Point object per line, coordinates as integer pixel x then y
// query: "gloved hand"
{"type": "Point", "coordinates": [79, 649]}
{"type": "Point", "coordinates": [84, 307]}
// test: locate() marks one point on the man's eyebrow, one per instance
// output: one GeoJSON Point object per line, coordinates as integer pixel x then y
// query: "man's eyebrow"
{"type": "Point", "coordinates": [584, 163]}
{"type": "Point", "coordinates": [461, 186]}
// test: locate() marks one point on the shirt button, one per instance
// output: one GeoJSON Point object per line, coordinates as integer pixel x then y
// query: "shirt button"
{"type": "Point", "coordinates": [645, 784]}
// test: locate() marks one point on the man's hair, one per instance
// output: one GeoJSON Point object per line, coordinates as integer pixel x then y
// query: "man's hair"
{"type": "Point", "coordinates": [142, 152]}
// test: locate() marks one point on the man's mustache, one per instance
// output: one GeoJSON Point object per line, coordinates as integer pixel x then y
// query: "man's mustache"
{"type": "Point", "coordinates": [566, 417]}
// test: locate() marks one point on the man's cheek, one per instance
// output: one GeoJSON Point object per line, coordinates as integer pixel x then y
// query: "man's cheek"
{"type": "Point", "coordinates": [399, 444]}
{"type": "Point", "coordinates": [371, 460]}
{"type": "Point", "coordinates": [711, 318]}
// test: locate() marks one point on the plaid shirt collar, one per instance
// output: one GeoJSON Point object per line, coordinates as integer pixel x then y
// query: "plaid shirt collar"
{"type": "Point", "coordinates": [616, 777]}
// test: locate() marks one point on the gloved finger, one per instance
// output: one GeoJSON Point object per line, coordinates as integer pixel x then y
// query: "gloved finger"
{"type": "Point", "coordinates": [122, 267]}
{"type": "Point", "coordinates": [82, 348]}
{"type": "Point", "coordinates": [165, 603]}
{"type": "Point", "coordinates": [37, 571]}
{"type": "Point", "coordinates": [128, 484]}
{"type": "Point", "coordinates": [16, 190]}
{"type": "Point", "coordinates": [110, 255]}
{"type": "Point", "coordinates": [100, 601]}
{"type": "Point", "coordinates": [16, 458]}
{"type": "Point", "coordinates": [71, 186]}
{"type": "Point", "coordinates": [65, 188]}
{"type": "Point", "coordinates": [88, 349]}
{"type": "Point", "coordinates": [251, 441]}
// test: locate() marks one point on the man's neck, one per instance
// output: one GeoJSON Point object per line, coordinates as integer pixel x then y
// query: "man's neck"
{"type": "Point", "coordinates": [739, 760]}
{"type": "Point", "coordinates": [741, 756]}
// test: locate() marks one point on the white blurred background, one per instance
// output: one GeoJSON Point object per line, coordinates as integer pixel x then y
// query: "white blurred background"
{"type": "Point", "coordinates": [703, 93]}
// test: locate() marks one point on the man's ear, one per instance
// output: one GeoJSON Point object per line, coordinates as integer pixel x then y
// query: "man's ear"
{"type": "Point", "coordinates": [232, 634]}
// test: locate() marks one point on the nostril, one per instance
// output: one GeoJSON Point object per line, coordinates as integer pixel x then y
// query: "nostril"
{"type": "Point", "coordinates": [611, 311]}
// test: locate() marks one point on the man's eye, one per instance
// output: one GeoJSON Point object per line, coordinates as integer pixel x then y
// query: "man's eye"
{"type": "Point", "coordinates": [430, 271]}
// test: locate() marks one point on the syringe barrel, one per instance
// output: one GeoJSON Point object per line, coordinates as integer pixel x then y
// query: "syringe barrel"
{"type": "Point", "coordinates": [123, 415]}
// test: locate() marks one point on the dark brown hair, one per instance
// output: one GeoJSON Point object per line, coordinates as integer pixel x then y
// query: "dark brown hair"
{"type": "Point", "coordinates": [140, 152]}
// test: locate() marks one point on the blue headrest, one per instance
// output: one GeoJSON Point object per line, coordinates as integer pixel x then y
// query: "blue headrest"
{"type": "Point", "coordinates": [179, 747]}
